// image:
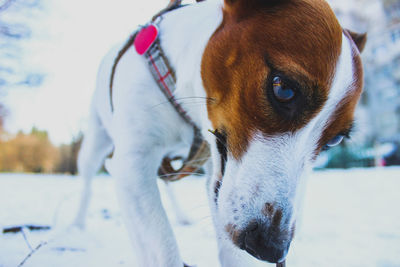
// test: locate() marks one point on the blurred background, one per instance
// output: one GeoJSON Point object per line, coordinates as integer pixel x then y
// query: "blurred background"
{"type": "Point", "coordinates": [49, 54]}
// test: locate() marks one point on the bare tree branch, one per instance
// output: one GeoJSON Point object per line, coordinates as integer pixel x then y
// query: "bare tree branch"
{"type": "Point", "coordinates": [16, 229]}
{"type": "Point", "coordinates": [5, 4]}
{"type": "Point", "coordinates": [32, 252]}
{"type": "Point", "coordinates": [23, 232]}
{"type": "Point", "coordinates": [13, 33]}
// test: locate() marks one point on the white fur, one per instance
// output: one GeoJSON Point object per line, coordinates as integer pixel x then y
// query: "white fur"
{"type": "Point", "coordinates": [274, 168]}
{"type": "Point", "coordinates": [144, 127]}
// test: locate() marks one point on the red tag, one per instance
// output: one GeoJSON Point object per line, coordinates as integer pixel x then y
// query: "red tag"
{"type": "Point", "coordinates": [145, 38]}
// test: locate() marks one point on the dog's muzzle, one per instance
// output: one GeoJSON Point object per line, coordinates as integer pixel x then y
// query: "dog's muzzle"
{"type": "Point", "coordinates": [264, 242]}
{"type": "Point", "coordinates": [266, 238]}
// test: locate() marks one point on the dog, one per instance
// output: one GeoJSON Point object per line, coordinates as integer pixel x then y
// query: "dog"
{"type": "Point", "coordinates": [279, 80]}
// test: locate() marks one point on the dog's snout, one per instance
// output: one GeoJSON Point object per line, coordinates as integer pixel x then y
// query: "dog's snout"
{"type": "Point", "coordinates": [265, 241]}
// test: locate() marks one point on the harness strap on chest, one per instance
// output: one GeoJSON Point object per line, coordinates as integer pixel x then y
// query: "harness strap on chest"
{"type": "Point", "coordinates": [164, 75]}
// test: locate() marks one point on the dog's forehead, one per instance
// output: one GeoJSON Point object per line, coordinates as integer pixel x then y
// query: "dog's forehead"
{"type": "Point", "coordinates": [299, 37]}
{"type": "Point", "coordinates": [302, 39]}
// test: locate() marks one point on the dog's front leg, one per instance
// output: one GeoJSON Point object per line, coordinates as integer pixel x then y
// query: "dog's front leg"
{"type": "Point", "coordinates": [134, 166]}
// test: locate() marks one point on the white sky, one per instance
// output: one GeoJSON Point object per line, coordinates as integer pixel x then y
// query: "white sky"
{"type": "Point", "coordinates": [73, 36]}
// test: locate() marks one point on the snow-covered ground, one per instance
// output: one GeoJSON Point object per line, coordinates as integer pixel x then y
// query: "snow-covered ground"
{"type": "Point", "coordinates": [351, 218]}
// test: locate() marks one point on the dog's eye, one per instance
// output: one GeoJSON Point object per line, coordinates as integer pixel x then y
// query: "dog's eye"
{"type": "Point", "coordinates": [281, 93]}
{"type": "Point", "coordinates": [335, 141]}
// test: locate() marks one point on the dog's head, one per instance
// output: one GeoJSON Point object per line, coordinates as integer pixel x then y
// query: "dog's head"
{"type": "Point", "coordinates": [283, 79]}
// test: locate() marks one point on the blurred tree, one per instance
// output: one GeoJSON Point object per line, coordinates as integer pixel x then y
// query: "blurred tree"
{"type": "Point", "coordinates": [31, 152]}
{"type": "Point", "coordinates": [379, 115]}
{"type": "Point", "coordinates": [2, 115]}
{"type": "Point", "coordinates": [15, 17]}
{"type": "Point", "coordinates": [68, 156]}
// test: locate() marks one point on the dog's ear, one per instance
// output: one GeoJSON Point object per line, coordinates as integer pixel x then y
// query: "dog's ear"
{"type": "Point", "coordinates": [359, 39]}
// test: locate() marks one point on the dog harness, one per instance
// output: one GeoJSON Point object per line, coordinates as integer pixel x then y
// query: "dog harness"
{"type": "Point", "coordinates": [147, 43]}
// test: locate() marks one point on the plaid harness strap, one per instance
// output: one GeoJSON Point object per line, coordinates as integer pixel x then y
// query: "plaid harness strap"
{"type": "Point", "coordinates": [164, 75]}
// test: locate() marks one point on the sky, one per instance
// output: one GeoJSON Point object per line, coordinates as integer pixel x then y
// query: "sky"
{"type": "Point", "coordinates": [70, 39]}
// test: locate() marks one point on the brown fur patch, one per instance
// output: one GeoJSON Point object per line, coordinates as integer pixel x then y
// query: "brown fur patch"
{"type": "Point", "coordinates": [300, 39]}
{"type": "Point", "coordinates": [276, 220]}
{"type": "Point", "coordinates": [268, 210]}
{"type": "Point", "coordinates": [233, 233]}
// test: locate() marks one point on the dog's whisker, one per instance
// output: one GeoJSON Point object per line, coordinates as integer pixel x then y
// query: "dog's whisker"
{"type": "Point", "coordinates": [179, 173]}
{"type": "Point", "coordinates": [192, 102]}
{"type": "Point", "coordinates": [203, 158]}
{"type": "Point", "coordinates": [196, 97]}
{"type": "Point", "coordinates": [181, 101]}
{"type": "Point", "coordinates": [196, 160]}
{"type": "Point", "coordinates": [201, 205]}
{"type": "Point", "coordinates": [197, 208]}
{"type": "Point", "coordinates": [204, 218]}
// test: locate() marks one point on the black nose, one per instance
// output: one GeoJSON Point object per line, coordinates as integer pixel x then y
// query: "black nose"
{"type": "Point", "coordinates": [264, 243]}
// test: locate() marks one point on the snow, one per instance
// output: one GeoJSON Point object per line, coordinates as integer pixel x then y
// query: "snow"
{"type": "Point", "coordinates": [350, 218]}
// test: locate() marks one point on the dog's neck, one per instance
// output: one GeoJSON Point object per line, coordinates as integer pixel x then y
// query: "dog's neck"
{"type": "Point", "coordinates": [184, 35]}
